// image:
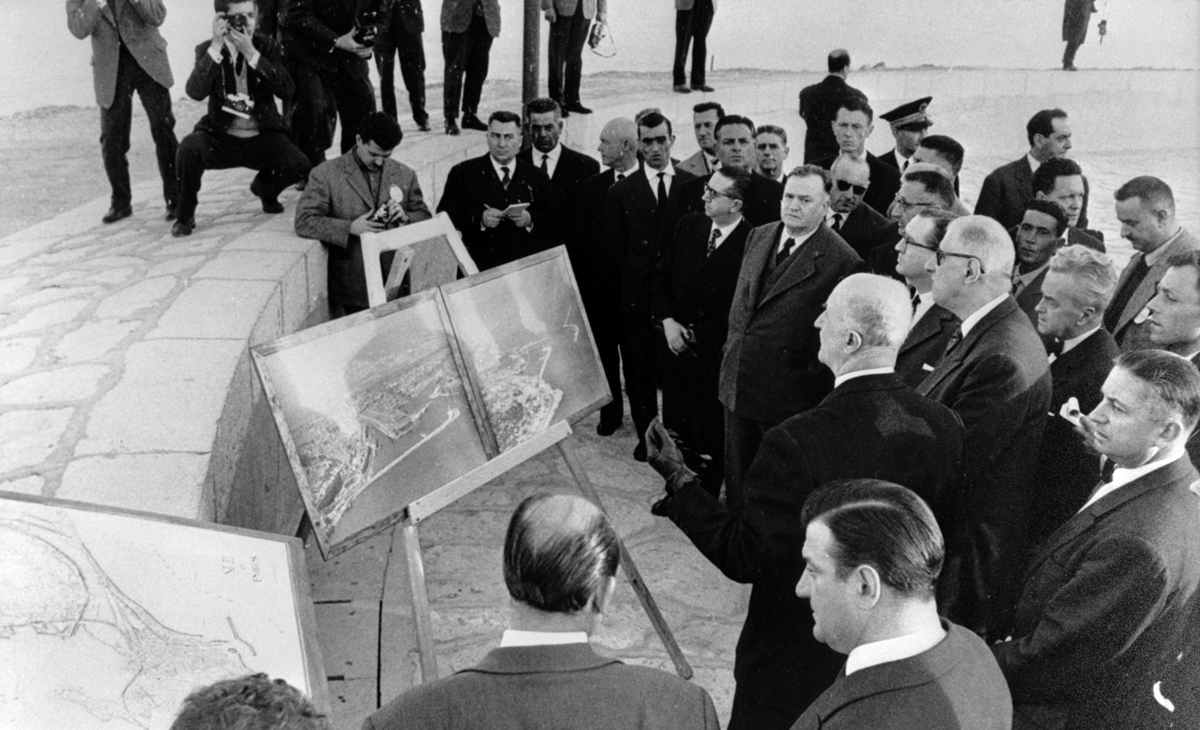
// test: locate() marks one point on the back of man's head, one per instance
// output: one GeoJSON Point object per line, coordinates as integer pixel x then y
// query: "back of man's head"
{"type": "Point", "coordinates": [381, 129]}
{"type": "Point", "coordinates": [879, 308]}
{"type": "Point", "coordinates": [940, 220]}
{"type": "Point", "coordinates": [253, 702]}
{"type": "Point", "coordinates": [740, 182]}
{"type": "Point", "coordinates": [838, 61]}
{"type": "Point", "coordinates": [1045, 178]}
{"type": "Point", "coordinates": [559, 553]}
{"type": "Point", "coordinates": [1172, 378]}
{"type": "Point", "coordinates": [947, 148]}
{"type": "Point", "coordinates": [1153, 192]}
{"type": "Point", "coordinates": [984, 238]}
{"type": "Point", "coordinates": [1043, 123]}
{"type": "Point", "coordinates": [884, 526]}
{"type": "Point", "coordinates": [935, 182]}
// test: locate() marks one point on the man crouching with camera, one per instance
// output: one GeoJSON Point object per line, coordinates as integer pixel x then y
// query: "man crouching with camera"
{"type": "Point", "coordinates": [240, 72]}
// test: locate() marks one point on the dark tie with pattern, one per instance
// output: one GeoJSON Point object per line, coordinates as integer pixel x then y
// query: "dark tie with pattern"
{"type": "Point", "coordinates": [785, 250]}
{"type": "Point", "coordinates": [953, 341]}
{"type": "Point", "coordinates": [1122, 297]}
{"type": "Point", "coordinates": [837, 221]}
{"type": "Point", "coordinates": [504, 179]}
{"type": "Point", "coordinates": [662, 190]}
{"type": "Point", "coordinates": [712, 243]}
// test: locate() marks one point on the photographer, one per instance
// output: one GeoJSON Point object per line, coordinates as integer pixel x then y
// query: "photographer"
{"type": "Point", "coordinates": [240, 72]}
{"type": "Point", "coordinates": [328, 43]}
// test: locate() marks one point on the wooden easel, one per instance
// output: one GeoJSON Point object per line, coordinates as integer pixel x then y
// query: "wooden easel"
{"type": "Point", "coordinates": [442, 256]}
{"type": "Point", "coordinates": [428, 505]}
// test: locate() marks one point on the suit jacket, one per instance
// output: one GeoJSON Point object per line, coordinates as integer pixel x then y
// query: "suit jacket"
{"type": "Point", "coordinates": [1031, 295]}
{"type": "Point", "coordinates": [689, 4]}
{"type": "Point", "coordinates": [457, 14]}
{"type": "Point", "coordinates": [770, 371]}
{"type": "Point", "coordinates": [599, 280]}
{"type": "Point", "coordinates": [572, 168]}
{"type": "Point", "coordinates": [1007, 190]}
{"type": "Point", "coordinates": [563, 686]}
{"type": "Point", "coordinates": [1091, 239]}
{"type": "Point", "coordinates": [311, 27]}
{"type": "Point", "coordinates": [1068, 471]}
{"type": "Point", "coordinates": [872, 426]}
{"type": "Point", "coordinates": [818, 108]}
{"type": "Point", "coordinates": [139, 23]}
{"type": "Point", "coordinates": [1131, 331]}
{"type": "Point", "coordinates": [956, 685]}
{"type": "Point", "coordinates": [1109, 600]}
{"type": "Point", "coordinates": [633, 225]}
{"type": "Point", "coordinates": [410, 14]}
{"type": "Point", "coordinates": [567, 8]}
{"type": "Point", "coordinates": [335, 195]}
{"type": "Point", "coordinates": [885, 182]}
{"type": "Point", "coordinates": [760, 207]}
{"type": "Point", "coordinates": [998, 380]}
{"type": "Point", "coordinates": [263, 84]}
{"type": "Point", "coordinates": [697, 164]}
{"type": "Point", "coordinates": [1076, 16]}
{"type": "Point", "coordinates": [864, 229]}
{"type": "Point", "coordinates": [472, 184]}
{"type": "Point", "coordinates": [925, 344]}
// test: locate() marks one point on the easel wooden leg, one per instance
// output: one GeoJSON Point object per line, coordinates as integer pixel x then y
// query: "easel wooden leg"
{"type": "Point", "coordinates": [682, 668]}
{"type": "Point", "coordinates": [420, 601]}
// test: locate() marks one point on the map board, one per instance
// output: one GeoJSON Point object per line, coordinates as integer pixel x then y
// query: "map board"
{"type": "Point", "coordinates": [109, 618]}
{"type": "Point", "coordinates": [382, 408]}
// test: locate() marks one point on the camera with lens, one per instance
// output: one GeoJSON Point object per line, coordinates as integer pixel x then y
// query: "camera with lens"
{"type": "Point", "coordinates": [238, 21]}
{"type": "Point", "coordinates": [367, 27]}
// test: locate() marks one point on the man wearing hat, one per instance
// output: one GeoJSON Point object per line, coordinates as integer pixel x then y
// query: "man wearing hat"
{"type": "Point", "coordinates": [909, 123]}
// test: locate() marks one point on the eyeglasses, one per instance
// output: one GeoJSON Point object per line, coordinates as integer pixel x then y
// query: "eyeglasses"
{"type": "Point", "coordinates": [909, 242]}
{"type": "Point", "coordinates": [845, 185]}
{"type": "Point", "coordinates": [941, 257]}
{"type": "Point", "coordinates": [902, 203]}
{"type": "Point", "coordinates": [711, 192]}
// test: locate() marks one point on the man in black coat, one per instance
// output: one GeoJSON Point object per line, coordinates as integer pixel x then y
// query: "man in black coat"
{"type": "Point", "coordinates": [852, 125]}
{"type": "Point", "coordinates": [1173, 316]}
{"type": "Point", "coordinates": [857, 223]}
{"type": "Point", "coordinates": [932, 325]}
{"type": "Point", "coordinates": [564, 167]}
{"type": "Point", "coordinates": [693, 289]}
{"type": "Point", "coordinates": [1076, 16]}
{"type": "Point", "coordinates": [996, 378]}
{"type": "Point", "coordinates": [1061, 180]}
{"type": "Point", "coordinates": [870, 426]}
{"type": "Point", "coordinates": [819, 104]}
{"type": "Point", "coordinates": [497, 201]}
{"type": "Point", "coordinates": [401, 35]}
{"type": "Point", "coordinates": [1074, 294]}
{"type": "Point", "coordinates": [240, 72]}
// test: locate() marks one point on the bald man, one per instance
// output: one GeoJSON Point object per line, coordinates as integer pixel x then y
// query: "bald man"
{"type": "Point", "coordinates": [857, 223]}
{"type": "Point", "coordinates": [871, 425]}
{"type": "Point", "coordinates": [560, 565]}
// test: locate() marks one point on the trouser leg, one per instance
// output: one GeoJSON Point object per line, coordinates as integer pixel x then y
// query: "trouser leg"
{"type": "Point", "coordinates": [279, 161]}
{"type": "Point", "coordinates": [702, 16]}
{"type": "Point", "coordinates": [742, 439]}
{"type": "Point", "coordinates": [573, 69]}
{"type": "Point", "coordinates": [199, 151]}
{"type": "Point", "coordinates": [479, 48]}
{"type": "Point", "coordinates": [637, 357]}
{"type": "Point", "coordinates": [156, 100]}
{"type": "Point", "coordinates": [314, 114]}
{"type": "Point", "coordinates": [454, 54]}
{"type": "Point", "coordinates": [114, 131]}
{"type": "Point", "coordinates": [556, 57]}
{"type": "Point", "coordinates": [355, 99]}
{"type": "Point", "coordinates": [683, 39]}
{"type": "Point", "coordinates": [411, 47]}
{"type": "Point", "coordinates": [385, 64]}
{"type": "Point", "coordinates": [1069, 53]}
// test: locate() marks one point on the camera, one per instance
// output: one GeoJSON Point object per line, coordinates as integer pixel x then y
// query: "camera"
{"type": "Point", "coordinates": [367, 27]}
{"type": "Point", "coordinates": [238, 21]}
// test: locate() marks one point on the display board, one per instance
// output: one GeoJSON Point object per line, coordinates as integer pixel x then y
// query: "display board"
{"type": "Point", "coordinates": [109, 618]}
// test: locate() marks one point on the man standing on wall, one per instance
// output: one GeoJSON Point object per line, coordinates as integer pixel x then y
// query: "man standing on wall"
{"type": "Point", "coordinates": [468, 27]}
{"type": "Point", "coordinates": [569, 23]}
{"type": "Point", "coordinates": [693, 18]}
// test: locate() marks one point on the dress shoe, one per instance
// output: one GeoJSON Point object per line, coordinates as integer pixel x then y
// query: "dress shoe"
{"type": "Point", "coordinates": [172, 211]}
{"type": "Point", "coordinates": [422, 124]}
{"type": "Point", "coordinates": [269, 205]}
{"type": "Point", "coordinates": [703, 87]}
{"type": "Point", "coordinates": [1069, 67]}
{"type": "Point", "coordinates": [470, 121]}
{"type": "Point", "coordinates": [681, 89]}
{"type": "Point", "coordinates": [639, 452]}
{"type": "Point", "coordinates": [183, 228]}
{"type": "Point", "coordinates": [607, 428]}
{"type": "Point", "coordinates": [577, 108]}
{"type": "Point", "coordinates": [452, 128]}
{"type": "Point", "coordinates": [115, 214]}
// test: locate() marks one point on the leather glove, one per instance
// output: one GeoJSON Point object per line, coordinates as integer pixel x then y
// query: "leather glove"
{"type": "Point", "coordinates": [665, 456]}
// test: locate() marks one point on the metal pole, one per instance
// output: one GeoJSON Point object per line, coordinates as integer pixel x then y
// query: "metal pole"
{"type": "Point", "coordinates": [533, 48]}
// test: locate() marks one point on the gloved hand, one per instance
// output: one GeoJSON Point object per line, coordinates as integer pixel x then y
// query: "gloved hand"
{"type": "Point", "coordinates": [664, 455]}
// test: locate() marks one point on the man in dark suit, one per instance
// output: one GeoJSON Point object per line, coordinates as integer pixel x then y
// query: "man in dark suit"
{"type": "Point", "coordinates": [328, 64]}
{"type": "Point", "coordinates": [634, 212]}
{"type": "Point", "coordinates": [819, 104]}
{"type": "Point", "coordinates": [909, 123]}
{"type": "Point", "coordinates": [735, 151]}
{"type": "Point", "coordinates": [1076, 16]}
{"type": "Point", "coordinates": [128, 55]}
{"type": "Point", "coordinates": [996, 377]}
{"type": "Point", "coordinates": [1146, 209]}
{"type": "Point", "coordinates": [401, 35]}
{"type": "Point", "coordinates": [1007, 188]}
{"type": "Point", "coordinates": [693, 18]}
{"type": "Point", "coordinates": [497, 201]}
{"type": "Point", "coordinates": [852, 125]}
{"type": "Point", "coordinates": [1074, 294]}
{"type": "Point", "coordinates": [873, 552]}
{"type": "Point", "coordinates": [932, 325]}
{"type": "Point", "coordinates": [770, 371]}
{"type": "Point", "coordinates": [1174, 316]}
{"type": "Point", "coordinates": [344, 199]}
{"type": "Point", "coordinates": [871, 425]}
{"type": "Point", "coordinates": [598, 279]}
{"type": "Point", "coordinates": [1061, 180]}
{"type": "Point", "coordinates": [240, 72]}
{"type": "Point", "coordinates": [468, 28]}
{"type": "Point", "coordinates": [1111, 598]}
{"type": "Point", "coordinates": [771, 151]}
{"type": "Point", "coordinates": [943, 151]}
{"type": "Point", "coordinates": [569, 23]}
{"type": "Point", "coordinates": [563, 166]}
{"type": "Point", "coordinates": [693, 288]}
{"type": "Point", "coordinates": [856, 222]}
{"type": "Point", "coordinates": [560, 567]}
{"type": "Point", "coordinates": [1041, 232]}
{"type": "Point", "coordinates": [921, 188]}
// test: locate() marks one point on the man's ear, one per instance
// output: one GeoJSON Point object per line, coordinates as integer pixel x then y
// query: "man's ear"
{"type": "Point", "coordinates": [869, 585]}
{"type": "Point", "coordinates": [600, 601]}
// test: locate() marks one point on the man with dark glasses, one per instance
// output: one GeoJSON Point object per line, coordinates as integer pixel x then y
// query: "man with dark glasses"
{"type": "Point", "coordinates": [858, 223]}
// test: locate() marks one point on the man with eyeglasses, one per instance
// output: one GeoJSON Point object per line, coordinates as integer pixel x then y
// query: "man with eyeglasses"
{"type": "Point", "coordinates": [920, 189]}
{"type": "Point", "coordinates": [1040, 233]}
{"type": "Point", "coordinates": [996, 376]}
{"type": "Point", "coordinates": [857, 223]}
{"type": "Point", "coordinates": [932, 324]}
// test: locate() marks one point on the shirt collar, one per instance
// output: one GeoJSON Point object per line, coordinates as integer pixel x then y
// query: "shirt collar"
{"type": "Point", "coordinates": [553, 154]}
{"type": "Point", "coordinates": [784, 235]}
{"type": "Point", "coordinates": [1028, 278]}
{"type": "Point", "coordinates": [725, 230]}
{"type": "Point", "coordinates": [893, 650]}
{"type": "Point", "coordinates": [980, 313]}
{"type": "Point", "coordinates": [1034, 164]}
{"type": "Point", "coordinates": [837, 382]}
{"type": "Point", "coordinates": [1071, 344]}
{"type": "Point", "coordinates": [513, 637]}
{"type": "Point", "coordinates": [511, 165]}
{"type": "Point", "coordinates": [1122, 476]}
{"type": "Point", "coordinates": [1153, 257]}
{"type": "Point", "coordinates": [900, 159]}
{"type": "Point", "coordinates": [652, 174]}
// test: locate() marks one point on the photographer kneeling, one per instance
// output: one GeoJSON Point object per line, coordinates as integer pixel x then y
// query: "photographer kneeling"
{"type": "Point", "coordinates": [240, 73]}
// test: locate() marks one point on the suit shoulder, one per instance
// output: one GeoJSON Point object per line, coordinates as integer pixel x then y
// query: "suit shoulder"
{"type": "Point", "coordinates": [683, 176]}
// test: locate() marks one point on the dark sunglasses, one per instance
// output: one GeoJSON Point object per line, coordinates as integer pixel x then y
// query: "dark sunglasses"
{"type": "Point", "coordinates": [845, 185]}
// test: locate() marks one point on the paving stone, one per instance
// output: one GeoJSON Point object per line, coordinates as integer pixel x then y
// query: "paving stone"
{"type": "Point", "coordinates": [215, 309]}
{"type": "Point", "coordinates": [459, 576]}
{"type": "Point", "coordinates": [54, 386]}
{"type": "Point", "coordinates": [12, 286]}
{"type": "Point", "coordinates": [47, 316]}
{"type": "Point", "coordinates": [461, 527]}
{"type": "Point", "coordinates": [349, 637]}
{"type": "Point", "coordinates": [25, 485]}
{"type": "Point", "coordinates": [15, 250]}
{"type": "Point", "coordinates": [684, 573]}
{"type": "Point", "coordinates": [271, 240]}
{"type": "Point", "coordinates": [112, 276]}
{"type": "Point", "coordinates": [351, 701]}
{"type": "Point", "coordinates": [105, 263]}
{"type": "Point", "coordinates": [399, 661]}
{"type": "Point", "coordinates": [357, 573]}
{"type": "Point", "coordinates": [27, 438]}
{"type": "Point", "coordinates": [141, 295]}
{"type": "Point", "coordinates": [176, 266]}
{"type": "Point", "coordinates": [51, 294]}
{"type": "Point", "coordinates": [146, 482]}
{"type": "Point", "coordinates": [66, 255]}
{"type": "Point", "coordinates": [17, 354]}
{"type": "Point", "coordinates": [93, 340]}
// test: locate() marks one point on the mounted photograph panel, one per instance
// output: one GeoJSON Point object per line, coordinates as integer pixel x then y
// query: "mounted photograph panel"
{"type": "Point", "coordinates": [109, 617]}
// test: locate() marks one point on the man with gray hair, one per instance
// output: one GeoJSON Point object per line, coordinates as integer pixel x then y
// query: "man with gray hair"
{"type": "Point", "coordinates": [561, 555]}
{"type": "Point", "coordinates": [994, 374]}
{"type": "Point", "coordinates": [871, 425]}
{"type": "Point", "coordinates": [1074, 294]}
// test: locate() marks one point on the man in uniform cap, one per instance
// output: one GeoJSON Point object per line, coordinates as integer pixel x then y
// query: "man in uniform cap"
{"type": "Point", "coordinates": [909, 122]}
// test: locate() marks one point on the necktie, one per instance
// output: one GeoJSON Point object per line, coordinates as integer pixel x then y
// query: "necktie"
{"type": "Point", "coordinates": [837, 221]}
{"type": "Point", "coordinates": [620, 176]}
{"type": "Point", "coordinates": [505, 179]}
{"type": "Point", "coordinates": [1054, 349]}
{"type": "Point", "coordinates": [1122, 297]}
{"type": "Point", "coordinates": [546, 165]}
{"type": "Point", "coordinates": [785, 250]}
{"type": "Point", "coordinates": [904, 167]}
{"type": "Point", "coordinates": [1106, 472]}
{"type": "Point", "coordinates": [953, 341]}
{"type": "Point", "coordinates": [712, 242]}
{"type": "Point", "coordinates": [662, 189]}
{"type": "Point", "coordinates": [1017, 283]}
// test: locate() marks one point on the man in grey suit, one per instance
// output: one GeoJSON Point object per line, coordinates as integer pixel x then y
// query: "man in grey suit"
{"type": "Point", "coordinates": [363, 191]}
{"type": "Point", "coordinates": [704, 121]}
{"type": "Point", "coordinates": [468, 28]}
{"type": "Point", "coordinates": [560, 564]}
{"type": "Point", "coordinates": [1146, 208]}
{"type": "Point", "coordinates": [770, 370]}
{"type": "Point", "coordinates": [128, 55]}
{"type": "Point", "coordinates": [569, 22]}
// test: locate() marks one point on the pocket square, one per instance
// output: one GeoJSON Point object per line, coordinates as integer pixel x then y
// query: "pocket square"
{"type": "Point", "coordinates": [927, 368]}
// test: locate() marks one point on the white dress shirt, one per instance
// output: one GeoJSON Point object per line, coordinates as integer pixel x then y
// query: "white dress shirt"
{"type": "Point", "coordinates": [1072, 343]}
{"type": "Point", "coordinates": [799, 240]}
{"type": "Point", "coordinates": [511, 165]}
{"type": "Point", "coordinates": [1121, 476]}
{"type": "Point", "coordinates": [725, 231]}
{"type": "Point", "coordinates": [893, 650]}
{"type": "Point", "coordinates": [980, 313]}
{"type": "Point", "coordinates": [923, 305]}
{"type": "Point", "coordinates": [1034, 163]}
{"type": "Point", "coordinates": [860, 373]}
{"type": "Point", "coordinates": [652, 178]}
{"type": "Point", "coordinates": [513, 637]}
{"type": "Point", "coordinates": [551, 159]}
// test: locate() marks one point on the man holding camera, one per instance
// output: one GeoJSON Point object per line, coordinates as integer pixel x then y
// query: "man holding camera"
{"type": "Point", "coordinates": [240, 72]}
{"type": "Point", "coordinates": [328, 43]}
